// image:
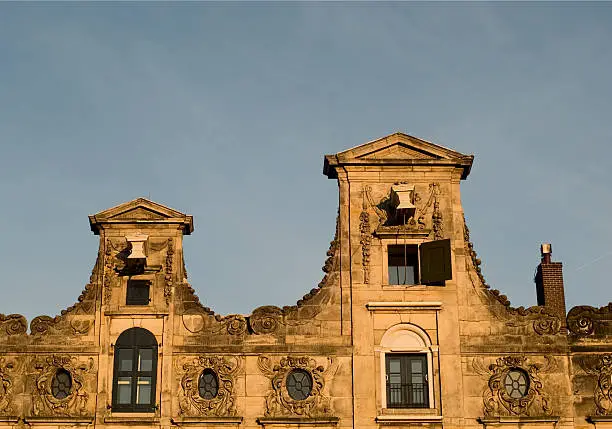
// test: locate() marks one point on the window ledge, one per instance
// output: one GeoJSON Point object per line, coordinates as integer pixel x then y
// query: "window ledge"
{"type": "Point", "coordinates": [516, 419]}
{"type": "Point", "coordinates": [404, 305]}
{"type": "Point", "coordinates": [310, 421]}
{"type": "Point", "coordinates": [407, 418]}
{"type": "Point", "coordinates": [144, 418]}
{"type": "Point", "coordinates": [87, 420]}
{"type": "Point", "coordinates": [206, 420]}
{"type": "Point", "coordinates": [133, 310]}
{"type": "Point", "coordinates": [595, 419]}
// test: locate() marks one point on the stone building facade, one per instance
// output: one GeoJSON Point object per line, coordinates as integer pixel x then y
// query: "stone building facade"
{"type": "Point", "coordinates": [402, 331]}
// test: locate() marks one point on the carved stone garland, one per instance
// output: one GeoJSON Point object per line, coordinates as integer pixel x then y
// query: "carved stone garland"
{"type": "Point", "coordinates": [497, 401]}
{"type": "Point", "coordinates": [168, 278]}
{"type": "Point", "coordinates": [278, 401]}
{"type": "Point", "coordinates": [191, 404]}
{"type": "Point", "coordinates": [43, 401]}
{"type": "Point", "coordinates": [366, 239]}
{"type": "Point", "coordinates": [6, 387]}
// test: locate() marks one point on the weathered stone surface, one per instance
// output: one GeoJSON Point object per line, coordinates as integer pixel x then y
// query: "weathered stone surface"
{"type": "Point", "coordinates": [339, 334]}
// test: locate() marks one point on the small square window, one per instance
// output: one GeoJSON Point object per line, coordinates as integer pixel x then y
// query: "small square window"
{"type": "Point", "coordinates": [137, 292]}
{"type": "Point", "coordinates": [403, 265]}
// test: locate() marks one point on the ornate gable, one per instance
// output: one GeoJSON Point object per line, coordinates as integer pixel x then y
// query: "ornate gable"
{"type": "Point", "coordinates": [140, 210]}
{"type": "Point", "coordinates": [398, 149]}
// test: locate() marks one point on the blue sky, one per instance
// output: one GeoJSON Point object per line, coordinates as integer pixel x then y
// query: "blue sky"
{"type": "Point", "coordinates": [225, 110]}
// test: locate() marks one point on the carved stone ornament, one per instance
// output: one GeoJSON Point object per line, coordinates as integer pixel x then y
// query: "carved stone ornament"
{"type": "Point", "coordinates": [365, 239]}
{"type": "Point", "coordinates": [437, 221]}
{"type": "Point", "coordinates": [44, 403]}
{"type": "Point", "coordinates": [13, 324]}
{"type": "Point", "coordinates": [390, 222]}
{"type": "Point", "coordinates": [168, 277]}
{"type": "Point", "coordinates": [498, 401]}
{"type": "Point", "coordinates": [266, 320]}
{"type": "Point", "coordinates": [584, 320]}
{"type": "Point", "coordinates": [602, 395]}
{"type": "Point", "coordinates": [542, 321]}
{"type": "Point", "coordinates": [278, 401]}
{"type": "Point", "coordinates": [225, 368]}
{"type": "Point", "coordinates": [6, 387]}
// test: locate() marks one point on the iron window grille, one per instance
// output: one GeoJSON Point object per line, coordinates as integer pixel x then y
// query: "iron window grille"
{"type": "Point", "coordinates": [407, 384]}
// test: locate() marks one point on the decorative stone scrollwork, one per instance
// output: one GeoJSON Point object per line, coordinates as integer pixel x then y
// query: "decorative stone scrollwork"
{"type": "Point", "coordinates": [6, 387]}
{"type": "Point", "coordinates": [44, 403]}
{"type": "Point", "coordinates": [13, 324]}
{"type": "Point", "coordinates": [279, 402]}
{"type": "Point", "coordinates": [584, 320]}
{"type": "Point", "coordinates": [603, 389]}
{"type": "Point", "coordinates": [225, 368]}
{"type": "Point", "coordinates": [234, 324]}
{"type": "Point", "coordinates": [514, 387]}
{"type": "Point", "coordinates": [266, 319]}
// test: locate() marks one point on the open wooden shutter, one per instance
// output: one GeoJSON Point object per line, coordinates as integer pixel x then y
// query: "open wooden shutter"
{"type": "Point", "coordinates": [436, 261]}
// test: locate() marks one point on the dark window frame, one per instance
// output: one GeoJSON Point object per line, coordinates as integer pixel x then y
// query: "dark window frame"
{"type": "Point", "coordinates": [407, 394]}
{"type": "Point", "coordinates": [134, 294]}
{"type": "Point", "coordinates": [430, 260]}
{"type": "Point", "coordinates": [135, 340]}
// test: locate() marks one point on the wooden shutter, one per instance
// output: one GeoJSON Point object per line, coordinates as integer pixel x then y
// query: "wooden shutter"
{"type": "Point", "coordinates": [436, 261]}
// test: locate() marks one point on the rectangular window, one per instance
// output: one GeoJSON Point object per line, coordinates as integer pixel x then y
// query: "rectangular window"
{"type": "Point", "coordinates": [137, 292]}
{"type": "Point", "coordinates": [412, 264]}
{"type": "Point", "coordinates": [407, 385]}
{"type": "Point", "coordinates": [403, 265]}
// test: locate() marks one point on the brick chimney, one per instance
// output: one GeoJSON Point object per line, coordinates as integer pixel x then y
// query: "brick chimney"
{"type": "Point", "coordinates": [549, 283]}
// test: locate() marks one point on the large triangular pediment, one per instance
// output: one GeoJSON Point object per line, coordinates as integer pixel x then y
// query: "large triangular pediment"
{"type": "Point", "coordinates": [400, 146]}
{"type": "Point", "coordinates": [140, 210]}
{"type": "Point", "coordinates": [398, 149]}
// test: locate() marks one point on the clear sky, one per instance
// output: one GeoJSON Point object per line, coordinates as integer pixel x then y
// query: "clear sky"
{"type": "Point", "coordinates": [225, 110]}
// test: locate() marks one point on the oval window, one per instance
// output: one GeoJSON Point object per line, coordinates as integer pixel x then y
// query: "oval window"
{"type": "Point", "coordinates": [61, 384]}
{"type": "Point", "coordinates": [516, 383]}
{"type": "Point", "coordinates": [299, 384]}
{"type": "Point", "coordinates": [208, 384]}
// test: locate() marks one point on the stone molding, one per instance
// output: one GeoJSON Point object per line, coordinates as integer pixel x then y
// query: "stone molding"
{"type": "Point", "coordinates": [393, 306]}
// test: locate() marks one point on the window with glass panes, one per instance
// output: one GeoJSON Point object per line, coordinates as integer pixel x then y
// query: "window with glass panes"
{"type": "Point", "coordinates": [407, 385]}
{"type": "Point", "coordinates": [135, 371]}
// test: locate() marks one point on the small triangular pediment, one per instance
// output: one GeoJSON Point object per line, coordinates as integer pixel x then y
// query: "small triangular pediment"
{"type": "Point", "coordinates": [140, 210]}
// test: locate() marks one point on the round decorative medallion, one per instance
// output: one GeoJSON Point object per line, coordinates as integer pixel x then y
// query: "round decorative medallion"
{"type": "Point", "coordinates": [299, 384]}
{"type": "Point", "coordinates": [208, 384]}
{"type": "Point", "coordinates": [516, 383]}
{"type": "Point", "coordinates": [61, 384]}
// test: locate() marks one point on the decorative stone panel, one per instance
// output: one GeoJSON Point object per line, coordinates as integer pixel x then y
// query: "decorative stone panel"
{"type": "Point", "coordinates": [75, 403]}
{"type": "Point", "coordinates": [499, 401]}
{"type": "Point", "coordinates": [279, 402]}
{"type": "Point", "coordinates": [191, 404]}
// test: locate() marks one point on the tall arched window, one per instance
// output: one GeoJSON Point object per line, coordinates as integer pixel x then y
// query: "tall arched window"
{"type": "Point", "coordinates": [407, 366]}
{"type": "Point", "coordinates": [135, 371]}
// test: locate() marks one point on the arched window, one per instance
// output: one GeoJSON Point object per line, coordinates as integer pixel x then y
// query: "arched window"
{"type": "Point", "coordinates": [135, 371]}
{"type": "Point", "coordinates": [406, 360]}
